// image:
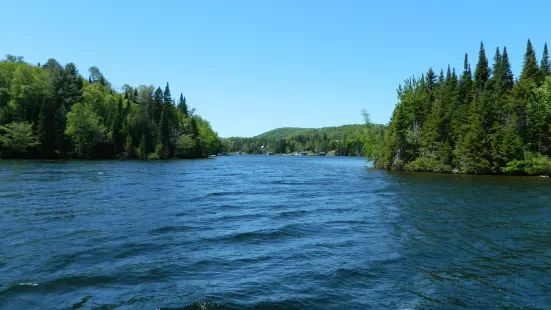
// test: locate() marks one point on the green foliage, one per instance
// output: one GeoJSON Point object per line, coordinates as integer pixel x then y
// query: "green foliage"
{"type": "Point", "coordinates": [545, 66]}
{"type": "Point", "coordinates": [427, 164]}
{"type": "Point", "coordinates": [29, 87]}
{"type": "Point", "coordinates": [128, 147]}
{"type": "Point", "coordinates": [530, 68]}
{"type": "Point", "coordinates": [89, 119]}
{"type": "Point", "coordinates": [492, 124]}
{"type": "Point", "coordinates": [210, 144]}
{"type": "Point", "coordinates": [536, 164]}
{"type": "Point", "coordinates": [84, 128]}
{"type": "Point", "coordinates": [482, 71]}
{"type": "Point", "coordinates": [347, 140]}
{"type": "Point", "coordinates": [532, 164]}
{"type": "Point", "coordinates": [18, 137]}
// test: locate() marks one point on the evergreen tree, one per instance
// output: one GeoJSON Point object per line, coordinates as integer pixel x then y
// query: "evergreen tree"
{"type": "Point", "coordinates": [182, 106]}
{"type": "Point", "coordinates": [466, 82]}
{"type": "Point", "coordinates": [545, 66]}
{"type": "Point", "coordinates": [135, 95]}
{"type": "Point", "coordinates": [507, 79]}
{"type": "Point", "coordinates": [490, 125]}
{"type": "Point", "coordinates": [157, 104]}
{"type": "Point", "coordinates": [530, 68]}
{"type": "Point", "coordinates": [497, 71]}
{"type": "Point", "coordinates": [167, 99]}
{"type": "Point", "coordinates": [482, 71]}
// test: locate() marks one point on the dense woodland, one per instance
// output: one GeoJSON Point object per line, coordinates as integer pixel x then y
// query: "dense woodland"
{"type": "Point", "coordinates": [52, 111]}
{"type": "Point", "coordinates": [347, 140]}
{"type": "Point", "coordinates": [481, 122]}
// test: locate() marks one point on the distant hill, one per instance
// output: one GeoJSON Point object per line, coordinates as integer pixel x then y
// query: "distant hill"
{"type": "Point", "coordinates": [346, 140]}
{"type": "Point", "coordinates": [284, 132]}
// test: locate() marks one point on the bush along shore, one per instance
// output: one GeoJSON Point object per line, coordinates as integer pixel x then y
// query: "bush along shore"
{"type": "Point", "coordinates": [52, 111]}
{"type": "Point", "coordinates": [486, 122]}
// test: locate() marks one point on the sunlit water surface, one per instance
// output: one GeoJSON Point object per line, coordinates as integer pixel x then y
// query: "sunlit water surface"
{"type": "Point", "coordinates": [269, 232]}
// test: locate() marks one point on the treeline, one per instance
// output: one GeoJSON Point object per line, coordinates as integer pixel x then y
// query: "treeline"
{"type": "Point", "coordinates": [348, 140]}
{"type": "Point", "coordinates": [52, 111]}
{"type": "Point", "coordinates": [486, 122]}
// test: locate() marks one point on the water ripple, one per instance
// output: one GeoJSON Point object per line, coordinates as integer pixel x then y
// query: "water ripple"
{"type": "Point", "coordinates": [269, 232]}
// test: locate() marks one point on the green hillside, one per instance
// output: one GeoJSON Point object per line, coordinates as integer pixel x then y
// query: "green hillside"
{"type": "Point", "coordinates": [280, 133]}
{"type": "Point", "coordinates": [284, 132]}
{"type": "Point", "coordinates": [346, 140]}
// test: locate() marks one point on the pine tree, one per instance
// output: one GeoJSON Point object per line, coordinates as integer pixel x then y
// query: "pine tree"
{"type": "Point", "coordinates": [545, 66]}
{"type": "Point", "coordinates": [530, 68]}
{"type": "Point", "coordinates": [482, 71]}
{"type": "Point", "coordinates": [182, 106]}
{"type": "Point", "coordinates": [157, 104]}
{"type": "Point", "coordinates": [167, 99]}
{"type": "Point", "coordinates": [507, 78]}
{"type": "Point", "coordinates": [497, 70]}
{"type": "Point", "coordinates": [466, 82]}
{"type": "Point", "coordinates": [431, 80]}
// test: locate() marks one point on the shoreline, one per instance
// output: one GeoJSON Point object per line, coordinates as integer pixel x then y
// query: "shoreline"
{"type": "Point", "coordinates": [460, 173]}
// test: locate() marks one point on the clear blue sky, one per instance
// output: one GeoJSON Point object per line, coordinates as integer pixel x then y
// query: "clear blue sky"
{"type": "Point", "coordinates": [251, 66]}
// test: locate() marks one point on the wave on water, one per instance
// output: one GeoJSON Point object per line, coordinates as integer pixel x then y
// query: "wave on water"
{"type": "Point", "coordinates": [170, 229]}
{"type": "Point", "coordinates": [282, 233]}
{"type": "Point", "coordinates": [220, 194]}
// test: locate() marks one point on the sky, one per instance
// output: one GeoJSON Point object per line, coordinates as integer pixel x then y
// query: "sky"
{"type": "Point", "coordinates": [251, 66]}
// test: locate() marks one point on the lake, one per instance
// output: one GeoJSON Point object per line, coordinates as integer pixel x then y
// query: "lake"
{"type": "Point", "coordinates": [269, 232]}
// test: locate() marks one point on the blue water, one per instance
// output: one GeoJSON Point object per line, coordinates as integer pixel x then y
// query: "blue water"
{"type": "Point", "coordinates": [269, 232]}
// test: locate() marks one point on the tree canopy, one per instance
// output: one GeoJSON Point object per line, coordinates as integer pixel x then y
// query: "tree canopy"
{"type": "Point", "coordinates": [489, 123]}
{"type": "Point", "coordinates": [347, 140]}
{"type": "Point", "coordinates": [52, 111]}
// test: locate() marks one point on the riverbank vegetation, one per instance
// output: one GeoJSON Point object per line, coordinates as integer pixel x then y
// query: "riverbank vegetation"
{"type": "Point", "coordinates": [52, 111]}
{"type": "Point", "coordinates": [480, 122]}
{"type": "Point", "coordinates": [347, 140]}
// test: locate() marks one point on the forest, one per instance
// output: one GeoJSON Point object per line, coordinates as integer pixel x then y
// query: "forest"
{"type": "Point", "coordinates": [52, 111]}
{"type": "Point", "coordinates": [347, 140]}
{"type": "Point", "coordinates": [481, 122]}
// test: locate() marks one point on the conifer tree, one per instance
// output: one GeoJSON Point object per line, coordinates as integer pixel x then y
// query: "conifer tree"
{"type": "Point", "coordinates": [182, 106]}
{"type": "Point", "coordinates": [482, 70]}
{"type": "Point", "coordinates": [157, 104]}
{"type": "Point", "coordinates": [530, 68]}
{"type": "Point", "coordinates": [497, 71]}
{"type": "Point", "coordinates": [167, 99]}
{"type": "Point", "coordinates": [507, 78]}
{"type": "Point", "coordinates": [545, 66]}
{"type": "Point", "coordinates": [466, 82]}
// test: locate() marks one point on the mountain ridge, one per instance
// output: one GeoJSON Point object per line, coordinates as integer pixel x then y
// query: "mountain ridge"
{"type": "Point", "coordinates": [284, 132]}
